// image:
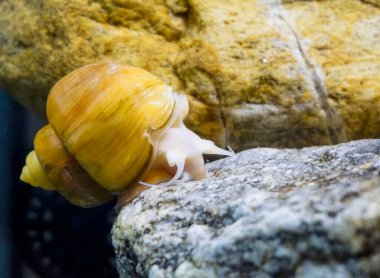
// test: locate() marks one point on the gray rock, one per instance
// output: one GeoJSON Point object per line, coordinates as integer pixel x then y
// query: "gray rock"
{"type": "Point", "coordinates": [312, 212]}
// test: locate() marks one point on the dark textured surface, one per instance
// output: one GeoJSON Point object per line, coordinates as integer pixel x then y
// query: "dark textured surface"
{"type": "Point", "coordinates": [41, 234]}
{"type": "Point", "coordinates": [5, 187]}
{"type": "Point", "coordinates": [312, 212]}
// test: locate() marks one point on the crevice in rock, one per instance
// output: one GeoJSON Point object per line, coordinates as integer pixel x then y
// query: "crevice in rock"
{"type": "Point", "coordinates": [376, 5]}
{"type": "Point", "coordinates": [193, 21]}
{"type": "Point", "coordinates": [222, 114]}
{"type": "Point", "coordinates": [213, 79]}
{"type": "Point", "coordinates": [333, 121]}
{"type": "Point", "coordinates": [332, 118]}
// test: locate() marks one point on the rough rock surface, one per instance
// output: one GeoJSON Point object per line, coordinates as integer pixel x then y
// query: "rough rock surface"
{"type": "Point", "coordinates": [257, 73]}
{"type": "Point", "coordinates": [312, 212]}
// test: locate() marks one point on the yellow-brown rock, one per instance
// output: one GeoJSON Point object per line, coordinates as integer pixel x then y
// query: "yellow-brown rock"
{"type": "Point", "coordinates": [257, 73]}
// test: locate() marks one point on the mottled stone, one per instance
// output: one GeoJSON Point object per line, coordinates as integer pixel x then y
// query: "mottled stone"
{"type": "Point", "coordinates": [312, 212]}
{"type": "Point", "coordinates": [257, 73]}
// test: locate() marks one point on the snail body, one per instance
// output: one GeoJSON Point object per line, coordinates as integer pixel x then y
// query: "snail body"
{"type": "Point", "coordinates": [114, 130]}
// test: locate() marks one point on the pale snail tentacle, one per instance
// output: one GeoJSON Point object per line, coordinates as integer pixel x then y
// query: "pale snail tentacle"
{"type": "Point", "coordinates": [231, 151]}
{"type": "Point", "coordinates": [180, 142]}
{"type": "Point", "coordinates": [180, 111]}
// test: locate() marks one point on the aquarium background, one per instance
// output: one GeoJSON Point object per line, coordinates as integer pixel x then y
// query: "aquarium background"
{"type": "Point", "coordinates": [41, 234]}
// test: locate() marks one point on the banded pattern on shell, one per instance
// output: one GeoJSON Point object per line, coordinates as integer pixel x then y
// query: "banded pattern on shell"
{"type": "Point", "coordinates": [110, 109]}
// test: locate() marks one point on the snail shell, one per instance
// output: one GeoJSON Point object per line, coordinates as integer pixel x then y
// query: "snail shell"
{"type": "Point", "coordinates": [114, 130]}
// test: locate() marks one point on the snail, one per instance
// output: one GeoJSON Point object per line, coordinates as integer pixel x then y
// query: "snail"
{"type": "Point", "coordinates": [114, 130]}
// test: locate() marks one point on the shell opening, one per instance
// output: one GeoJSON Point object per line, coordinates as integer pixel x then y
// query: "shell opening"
{"type": "Point", "coordinates": [180, 169]}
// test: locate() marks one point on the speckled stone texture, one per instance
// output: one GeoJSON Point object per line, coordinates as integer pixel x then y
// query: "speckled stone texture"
{"type": "Point", "coordinates": [265, 73]}
{"type": "Point", "coordinates": [312, 212]}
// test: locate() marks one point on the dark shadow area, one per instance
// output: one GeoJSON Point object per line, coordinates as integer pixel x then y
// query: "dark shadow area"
{"type": "Point", "coordinates": [41, 234]}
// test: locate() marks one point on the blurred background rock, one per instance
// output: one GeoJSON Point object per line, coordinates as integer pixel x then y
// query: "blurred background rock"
{"type": "Point", "coordinates": [42, 235]}
{"type": "Point", "coordinates": [257, 73]}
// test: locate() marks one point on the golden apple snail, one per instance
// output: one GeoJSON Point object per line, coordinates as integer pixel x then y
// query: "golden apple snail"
{"type": "Point", "coordinates": [114, 130]}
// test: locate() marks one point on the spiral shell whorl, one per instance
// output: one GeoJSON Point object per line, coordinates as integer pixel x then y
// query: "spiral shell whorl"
{"type": "Point", "coordinates": [50, 166]}
{"type": "Point", "coordinates": [34, 173]}
{"type": "Point", "coordinates": [103, 114]}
